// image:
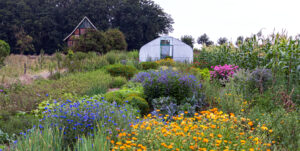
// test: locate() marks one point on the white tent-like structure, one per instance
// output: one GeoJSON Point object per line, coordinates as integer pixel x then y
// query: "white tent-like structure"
{"type": "Point", "coordinates": [166, 46]}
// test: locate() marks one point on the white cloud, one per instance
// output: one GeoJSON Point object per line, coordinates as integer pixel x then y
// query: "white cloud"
{"type": "Point", "coordinates": [232, 18]}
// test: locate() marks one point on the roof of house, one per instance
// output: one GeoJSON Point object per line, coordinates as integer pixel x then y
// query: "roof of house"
{"type": "Point", "coordinates": [85, 18]}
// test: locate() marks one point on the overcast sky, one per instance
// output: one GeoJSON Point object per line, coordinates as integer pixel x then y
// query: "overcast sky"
{"type": "Point", "coordinates": [232, 18]}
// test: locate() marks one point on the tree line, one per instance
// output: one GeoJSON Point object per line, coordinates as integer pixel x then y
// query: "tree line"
{"type": "Point", "coordinates": [30, 26]}
{"type": "Point", "coordinates": [204, 40]}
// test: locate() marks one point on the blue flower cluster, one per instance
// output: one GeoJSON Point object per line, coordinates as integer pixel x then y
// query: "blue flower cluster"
{"type": "Point", "coordinates": [87, 115]}
{"type": "Point", "coordinates": [168, 83]}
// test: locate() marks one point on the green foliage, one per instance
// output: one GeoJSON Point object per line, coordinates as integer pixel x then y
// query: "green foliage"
{"type": "Point", "coordinates": [202, 74]}
{"type": "Point", "coordinates": [25, 98]}
{"type": "Point", "coordinates": [116, 39]}
{"type": "Point", "coordinates": [57, 22]}
{"type": "Point", "coordinates": [121, 70]}
{"type": "Point", "coordinates": [99, 142]}
{"type": "Point", "coordinates": [97, 89]}
{"type": "Point", "coordinates": [92, 40]}
{"type": "Point", "coordinates": [4, 51]}
{"type": "Point", "coordinates": [48, 140]}
{"type": "Point", "coordinates": [24, 41]}
{"type": "Point", "coordinates": [117, 82]}
{"type": "Point", "coordinates": [139, 103]}
{"type": "Point", "coordinates": [149, 65]}
{"type": "Point", "coordinates": [114, 96]}
{"type": "Point", "coordinates": [79, 61]}
{"type": "Point", "coordinates": [14, 123]}
{"type": "Point", "coordinates": [134, 54]}
{"type": "Point", "coordinates": [112, 57]}
{"type": "Point", "coordinates": [188, 39]}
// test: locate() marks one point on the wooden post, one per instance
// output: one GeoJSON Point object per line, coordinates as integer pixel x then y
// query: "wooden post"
{"type": "Point", "coordinates": [24, 68]}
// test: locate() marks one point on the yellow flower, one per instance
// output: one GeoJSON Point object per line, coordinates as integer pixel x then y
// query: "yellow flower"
{"type": "Point", "coordinates": [122, 147]}
{"type": "Point", "coordinates": [250, 123]}
{"type": "Point", "coordinates": [270, 131]}
{"type": "Point", "coordinates": [119, 143]}
{"type": "Point", "coordinates": [148, 128]}
{"type": "Point", "coordinates": [264, 128]}
{"type": "Point", "coordinates": [205, 140]}
{"type": "Point", "coordinates": [219, 135]}
{"type": "Point", "coordinates": [243, 142]}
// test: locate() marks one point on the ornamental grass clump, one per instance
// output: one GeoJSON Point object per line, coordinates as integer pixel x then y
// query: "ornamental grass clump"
{"type": "Point", "coordinates": [82, 117]}
{"type": "Point", "coordinates": [223, 72]}
{"type": "Point", "coordinates": [209, 130]}
{"type": "Point", "coordinates": [165, 83]}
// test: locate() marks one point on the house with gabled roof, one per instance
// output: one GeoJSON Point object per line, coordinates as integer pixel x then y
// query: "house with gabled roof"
{"type": "Point", "coordinates": [80, 29]}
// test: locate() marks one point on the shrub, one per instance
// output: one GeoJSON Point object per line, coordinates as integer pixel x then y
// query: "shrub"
{"type": "Point", "coordinates": [202, 74]}
{"type": "Point", "coordinates": [114, 96]}
{"type": "Point", "coordinates": [170, 106]}
{"type": "Point", "coordinates": [166, 62]}
{"type": "Point", "coordinates": [14, 123]}
{"type": "Point", "coordinates": [121, 70]}
{"type": "Point", "coordinates": [139, 103]}
{"type": "Point", "coordinates": [97, 89]}
{"type": "Point", "coordinates": [92, 40]}
{"type": "Point", "coordinates": [133, 55]}
{"type": "Point", "coordinates": [149, 65]}
{"type": "Point", "coordinates": [112, 57]}
{"type": "Point", "coordinates": [116, 39]}
{"type": "Point", "coordinates": [223, 72]}
{"type": "Point", "coordinates": [168, 83]}
{"type": "Point", "coordinates": [4, 51]}
{"type": "Point", "coordinates": [117, 82]}
{"type": "Point", "coordinates": [261, 79]}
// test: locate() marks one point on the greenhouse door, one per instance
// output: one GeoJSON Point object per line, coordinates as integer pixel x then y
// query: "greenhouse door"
{"type": "Point", "coordinates": [166, 50]}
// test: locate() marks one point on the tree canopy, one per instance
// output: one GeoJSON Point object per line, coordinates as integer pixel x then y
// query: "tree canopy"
{"type": "Point", "coordinates": [49, 22]}
{"type": "Point", "coordinates": [188, 39]}
{"type": "Point", "coordinates": [204, 39]}
{"type": "Point", "coordinates": [222, 40]}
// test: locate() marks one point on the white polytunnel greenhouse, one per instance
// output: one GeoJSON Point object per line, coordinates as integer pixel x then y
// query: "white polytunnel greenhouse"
{"type": "Point", "coordinates": [166, 46]}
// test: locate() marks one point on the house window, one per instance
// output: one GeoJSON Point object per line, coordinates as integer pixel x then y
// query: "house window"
{"type": "Point", "coordinates": [166, 50]}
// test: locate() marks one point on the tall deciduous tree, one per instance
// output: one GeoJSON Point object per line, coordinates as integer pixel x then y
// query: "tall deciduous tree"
{"type": "Point", "coordinates": [239, 40]}
{"type": "Point", "coordinates": [24, 41]}
{"type": "Point", "coordinates": [188, 39]}
{"type": "Point", "coordinates": [204, 39]}
{"type": "Point", "coordinates": [222, 40]}
{"type": "Point", "coordinates": [49, 22]}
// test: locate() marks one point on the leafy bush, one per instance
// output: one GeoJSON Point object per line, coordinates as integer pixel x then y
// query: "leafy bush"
{"type": "Point", "coordinates": [261, 79]}
{"type": "Point", "coordinates": [149, 65]}
{"type": "Point", "coordinates": [134, 55]}
{"type": "Point", "coordinates": [121, 70]}
{"type": "Point", "coordinates": [168, 83]}
{"type": "Point", "coordinates": [92, 40]}
{"type": "Point", "coordinates": [166, 62]}
{"type": "Point", "coordinates": [223, 72]}
{"type": "Point", "coordinates": [139, 103]}
{"type": "Point", "coordinates": [112, 57]}
{"type": "Point", "coordinates": [97, 89]}
{"type": "Point", "coordinates": [202, 74]}
{"type": "Point", "coordinates": [170, 106]}
{"type": "Point", "coordinates": [117, 82]}
{"type": "Point", "coordinates": [12, 124]}
{"type": "Point", "coordinates": [114, 96]}
{"type": "Point", "coordinates": [116, 39]}
{"type": "Point", "coordinates": [4, 51]}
